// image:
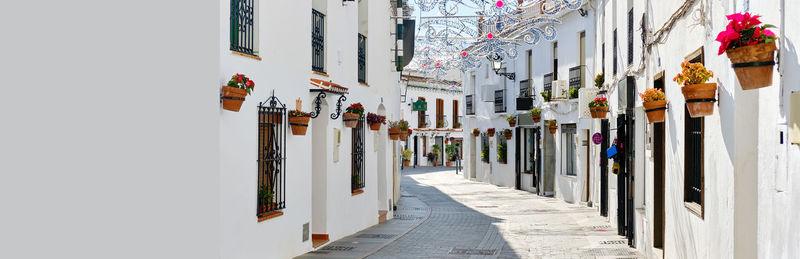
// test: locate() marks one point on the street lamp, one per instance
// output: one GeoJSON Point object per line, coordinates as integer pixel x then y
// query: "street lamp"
{"type": "Point", "coordinates": [497, 66]}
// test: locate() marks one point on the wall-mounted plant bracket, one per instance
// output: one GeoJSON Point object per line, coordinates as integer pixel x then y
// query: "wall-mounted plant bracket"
{"type": "Point", "coordinates": [338, 107]}
{"type": "Point", "coordinates": [666, 108]}
{"type": "Point", "coordinates": [323, 93]}
{"type": "Point", "coordinates": [318, 104]}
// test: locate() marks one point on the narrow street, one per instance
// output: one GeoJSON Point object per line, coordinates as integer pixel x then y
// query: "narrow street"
{"type": "Point", "coordinates": [449, 217]}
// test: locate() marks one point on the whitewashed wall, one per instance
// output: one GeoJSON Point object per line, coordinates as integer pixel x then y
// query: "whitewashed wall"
{"type": "Point", "coordinates": [430, 95]}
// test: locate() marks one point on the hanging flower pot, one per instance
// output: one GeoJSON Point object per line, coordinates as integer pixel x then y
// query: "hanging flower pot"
{"type": "Point", "coordinates": [599, 107]}
{"type": "Point", "coordinates": [394, 133]}
{"type": "Point", "coordinates": [490, 131]}
{"type": "Point", "coordinates": [352, 114]}
{"type": "Point", "coordinates": [234, 93]}
{"type": "Point", "coordinates": [476, 132]}
{"type": "Point", "coordinates": [655, 104]}
{"type": "Point", "coordinates": [299, 122]}
{"type": "Point", "coordinates": [700, 97]}
{"type": "Point", "coordinates": [375, 121]}
{"type": "Point", "coordinates": [507, 133]}
{"type": "Point", "coordinates": [751, 49]}
{"type": "Point", "coordinates": [404, 134]}
{"type": "Point", "coordinates": [512, 120]}
{"type": "Point", "coordinates": [398, 130]}
{"type": "Point", "coordinates": [552, 126]}
{"type": "Point", "coordinates": [536, 115]}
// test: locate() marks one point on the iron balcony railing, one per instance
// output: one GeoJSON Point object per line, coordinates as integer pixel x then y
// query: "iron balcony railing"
{"type": "Point", "coordinates": [362, 58]}
{"type": "Point", "coordinates": [468, 102]}
{"type": "Point", "coordinates": [576, 75]}
{"type": "Point", "coordinates": [499, 101]}
{"type": "Point", "coordinates": [548, 82]}
{"type": "Point", "coordinates": [441, 121]}
{"type": "Point", "coordinates": [317, 41]}
{"type": "Point", "coordinates": [242, 36]}
{"type": "Point", "coordinates": [525, 88]}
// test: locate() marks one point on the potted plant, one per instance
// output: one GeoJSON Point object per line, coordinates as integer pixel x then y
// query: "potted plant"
{"type": "Point", "coordinates": [476, 132]}
{"type": "Point", "coordinates": [450, 150]}
{"type": "Point", "coordinates": [551, 124]}
{"type": "Point", "coordinates": [404, 131]}
{"type": "Point", "coordinates": [352, 114]}
{"type": "Point", "coordinates": [599, 107]}
{"type": "Point", "coordinates": [751, 49]}
{"type": "Point", "coordinates": [501, 153]}
{"type": "Point", "coordinates": [546, 95]}
{"type": "Point", "coordinates": [536, 114]}
{"type": "Point", "coordinates": [423, 124]}
{"type": "Point", "coordinates": [512, 120]}
{"type": "Point", "coordinates": [394, 130]}
{"type": "Point", "coordinates": [265, 197]}
{"type": "Point", "coordinates": [573, 93]}
{"type": "Point", "coordinates": [490, 131]}
{"type": "Point", "coordinates": [440, 124]}
{"type": "Point", "coordinates": [599, 80]}
{"type": "Point", "coordinates": [432, 159]}
{"type": "Point", "coordinates": [436, 152]}
{"type": "Point", "coordinates": [507, 133]}
{"type": "Point", "coordinates": [485, 153]}
{"type": "Point", "coordinates": [407, 157]}
{"type": "Point", "coordinates": [375, 121]}
{"type": "Point", "coordinates": [700, 96]}
{"type": "Point", "coordinates": [234, 93]}
{"type": "Point", "coordinates": [655, 104]}
{"type": "Point", "coordinates": [298, 120]}
{"type": "Point", "coordinates": [457, 125]}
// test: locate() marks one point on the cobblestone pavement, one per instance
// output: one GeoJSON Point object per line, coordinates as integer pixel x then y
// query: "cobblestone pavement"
{"type": "Point", "coordinates": [477, 220]}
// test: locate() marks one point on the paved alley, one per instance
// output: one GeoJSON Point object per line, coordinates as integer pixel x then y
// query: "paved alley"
{"type": "Point", "coordinates": [456, 218]}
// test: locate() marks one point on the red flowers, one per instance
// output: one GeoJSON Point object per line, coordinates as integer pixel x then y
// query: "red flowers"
{"type": "Point", "coordinates": [743, 30]}
{"type": "Point", "coordinates": [242, 82]}
{"type": "Point", "coordinates": [599, 102]}
{"type": "Point", "coordinates": [355, 108]}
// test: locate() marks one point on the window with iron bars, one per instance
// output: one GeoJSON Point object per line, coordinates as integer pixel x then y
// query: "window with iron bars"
{"type": "Point", "coordinates": [271, 156]}
{"type": "Point", "coordinates": [548, 82]}
{"type": "Point", "coordinates": [317, 41]}
{"type": "Point", "coordinates": [576, 75]}
{"type": "Point", "coordinates": [357, 163]}
{"type": "Point", "coordinates": [630, 37]}
{"type": "Point", "coordinates": [499, 101]}
{"type": "Point", "coordinates": [468, 102]}
{"type": "Point", "coordinates": [525, 88]}
{"type": "Point", "coordinates": [485, 147]}
{"type": "Point", "coordinates": [243, 37]}
{"type": "Point", "coordinates": [362, 58]}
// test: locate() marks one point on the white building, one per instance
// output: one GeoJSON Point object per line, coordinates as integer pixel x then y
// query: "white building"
{"type": "Point", "coordinates": [440, 123]}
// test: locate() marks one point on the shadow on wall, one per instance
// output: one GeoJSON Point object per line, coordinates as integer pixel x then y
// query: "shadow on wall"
{"type": "Point", "coordinates": [449, 234]}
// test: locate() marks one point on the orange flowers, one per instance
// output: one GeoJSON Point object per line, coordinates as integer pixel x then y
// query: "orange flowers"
{"type": "Point", "coordinates": [652, 94]}
{"type": "Point", "coordinates": [692, 74]}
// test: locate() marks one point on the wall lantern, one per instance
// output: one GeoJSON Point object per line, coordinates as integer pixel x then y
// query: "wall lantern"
{"type": "Point", "coordinates": [497, 66]}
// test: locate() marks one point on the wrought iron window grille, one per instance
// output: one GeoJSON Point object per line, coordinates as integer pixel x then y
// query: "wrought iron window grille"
{"type": "Point", "coordinates": [317, 41]}
{"type": "Point", "coordinates": [271, 161]}
{"type": "Point", "coordinates": [548, 82]}
{"type": "Point", "coordinates": [357, 164]}
{"type": "Point", "coordinates": [468, 102]}
{"type": "Point", "coordinates": [576, 75]}
{"type": "Point", "coordinates": [499, 101]}
{"type": "Point", "coordinates": [242, 36]}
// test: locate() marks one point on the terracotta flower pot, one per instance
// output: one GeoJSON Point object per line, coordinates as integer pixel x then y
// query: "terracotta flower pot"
{"type": "Point", "coordinates": [448, 163]}
{"type": "Point", "coordinates": [403, 136]}
{"type": "Point", "coordinates": [700, 99]}
{"type": "Point", "coordinates": [537, 118]}
{"type": "Point", "coordinates": [491, 132]}
{"type": "Point", "coordinates": [299, 125]}
{"type": "Point", "coordinates": [351, 119]}
{"type": "Point", "coordinates": [553, 129]}
{"type": "Point", "coordinates": [232, 98]}
{"type": "Point", "coordinates": [508, 135]}
{"type": "Point", "coordinates": [655, 110]}
{"type": "Point", "coordinates": [476, 133]}
{"type": "Point", "coordinates": [406, 163]}
{"type": "Point", "coordinates": [435, 163]}
{"type": "Point", "coordinates": [394, 134]}
{"type": "Point", "coordinates": [512, 123]}
{"type": "Point", "coordinates": [599, 112]}
{"type": "Point", "coordinates": [375, 126]}
{"type": "Point", "coordinates": [753, 65]}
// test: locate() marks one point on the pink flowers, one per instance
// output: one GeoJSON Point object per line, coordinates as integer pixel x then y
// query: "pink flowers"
{"type": "Point", "coordinates": [743, 30]}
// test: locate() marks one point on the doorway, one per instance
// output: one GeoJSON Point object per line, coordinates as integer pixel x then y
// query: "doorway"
{"type": "Point", "coordinates": [588, 163]}
{"type": "Point", "coordinates": [319, 177]}
{"type": "Point", "coordinates": [658, 175]}
{"type": "Point", "coordinates": [548, 165]}
{"type": "Point", "coordinates": [440, 141]}
{"type": "Point", "coordinates": [517, 159]}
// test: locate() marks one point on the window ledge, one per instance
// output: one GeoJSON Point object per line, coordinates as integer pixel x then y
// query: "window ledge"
{"type": "Point", "coordinates": [319, 73]}
{"type": "Point", "coordinates": [356, 192]}
{"type": "Point", "coordinates": [270, 215]}
{"type": "Point", "coordinates": [246, 55]}
{"type": "Point", "coordinates": [363, 84]}
{"type": "Point", "coordinates": [694, 208]}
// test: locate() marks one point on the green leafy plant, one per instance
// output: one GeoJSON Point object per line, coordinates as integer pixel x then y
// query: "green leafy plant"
{"type": "Point", "coordinates": [536, 112]}
{"type": "Point", "coordinates": [573, 93]}
{"type": "Point", "coordinates": [450, 150]}
{"type": "Point", "coordinates": [692, 74]}
{"type": "Point", "coordinates": [356, 179]}
{"type": "Point", "coordinates": [407, 155]}
{"type": "Point", "coordinates": [402, 125]}
{"type": "Point", "coordinates": [599, 80]}
{"type": "Point", "coordinates": [457, 124]}
{"type": "Point", "coordinates": [295, 113]}
{"type": "Point", "coordinates": [437, 149]}
{"type": "Point", "coordinates": [507, 131]}
{"type": "Point", "coordinates": [501, 152]}
{"type": "Point", "coordinates": [546, 95]}
{"type": "Point", "coordinates": [265, 195]}
{"type": "Point", "coordinates": [511, 117]}
{"type": "Point", "coordinates": [551, 123]}
{"type": "Point", "coordinates": [394, 124]}
{"type": "Point", "coordinates": [485, 153]}
{"type": "Point", "coordinates": [440, 124]}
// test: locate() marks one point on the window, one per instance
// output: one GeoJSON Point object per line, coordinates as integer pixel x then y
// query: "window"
{"type": "Point", "coordinates": [630, 36]}
{"type": "Point", "coordinates": [468, 102]}
{"type": "Point", "coordinates": [271, 157]}
{"type": "Point", "coordinates": [582, 44]}
{"type": "Point", "coordinates": [499, 101]}
{"type": "Point", "coordinates": [575, 79]}
{"type": "Point", "coordinates": [548, 82]}
{"type": "Point", "coordinates": [440, 120]}
{"type": "Point", "coordinates": [525, 88]}
{"type": "Point", "coordinates": [317, 41]}
{"type": "Point", "coordinates": [603, 60]}
{"type": "Point", "coordinates": [614, 53]}
{"type": "Point", "coordinates": [555, 60]}
{"type": "Point", "coordinates": [362, 58]}
{"type": "Point", "coordinates": [568, 156]}
{"type": "Point", "coordinates": [485, 147]}
{"type": "Point", "coordinates": [455, 115]}
{"type": "Point", "coordinates": [357, 158]}
{"type": "Point", "coordinates": [529, 64]}
{"type": "Point", "coordinates": [502, 148]}
{"type": "Point", "coordinates": [244, 38]}
{"type": "Point", "coordinates": [693, 154]}
{"type": "Point", "coordinates": [421, 123]}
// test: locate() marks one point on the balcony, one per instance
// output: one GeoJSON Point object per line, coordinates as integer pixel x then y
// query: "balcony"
{"type": "Point", "coordinates": [441, 121]}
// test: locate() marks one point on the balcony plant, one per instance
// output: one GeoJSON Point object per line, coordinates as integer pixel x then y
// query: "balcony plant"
{"type": "Point", "coordinates": [298, 120]}
{"type": "Point", "coordinates": [404, 131]}
{"type": "Point", "coordinates": [476, 132]}
{"type": "Point", "coordinates": [699, 95]}
{"type": "Point", "coordinates": [265, 197]}
{"type": "Point", "coordinates": [407, 157]}
{"type": "Point", "coordinates": [490, 131]}
{"type": "Point", "coordinates": [485, 153]}
{"type": "Point", "coordinates": [501, 153]}
{"type": "Point", "coordinates": [440, 124]}
{"type": "Point", "coordinates": [234, 93]}
{"type": "Point", "coordinates": [599, 80]}
{"type": "Point", "coordinates": [512, 120]}
{"type": "Point", "coordinates": [375, 121]}
{"type": "Point", "coordinates": [655, 104]}
{"type": "Point", "coordinates": [423, 124]}
{"type": "Point", "coordinates": [599, 107]}
{"type": "Point", "coordinates": [437, 150]}
{"type": "Point", "coordinates": [457, 125]}
{"type": "Point", "coordinates": [536, 114]}
{"type": "Point", "coordinates": [352, 114]}
{"type": "Point", "coordinates": [394, 130]}
{"type": "Point", "coordinates": [507, 133]}
{"type": "Point", "coordinates": [573, 93]}
{"type": "Point", "coordinates": [551, 124]}
{"type": "Point", "coordinates": [751, 49]}
{"type": "Point", "coordinates": [546, 95]}
{"type": "Point", "coordinates": [450, 151]}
